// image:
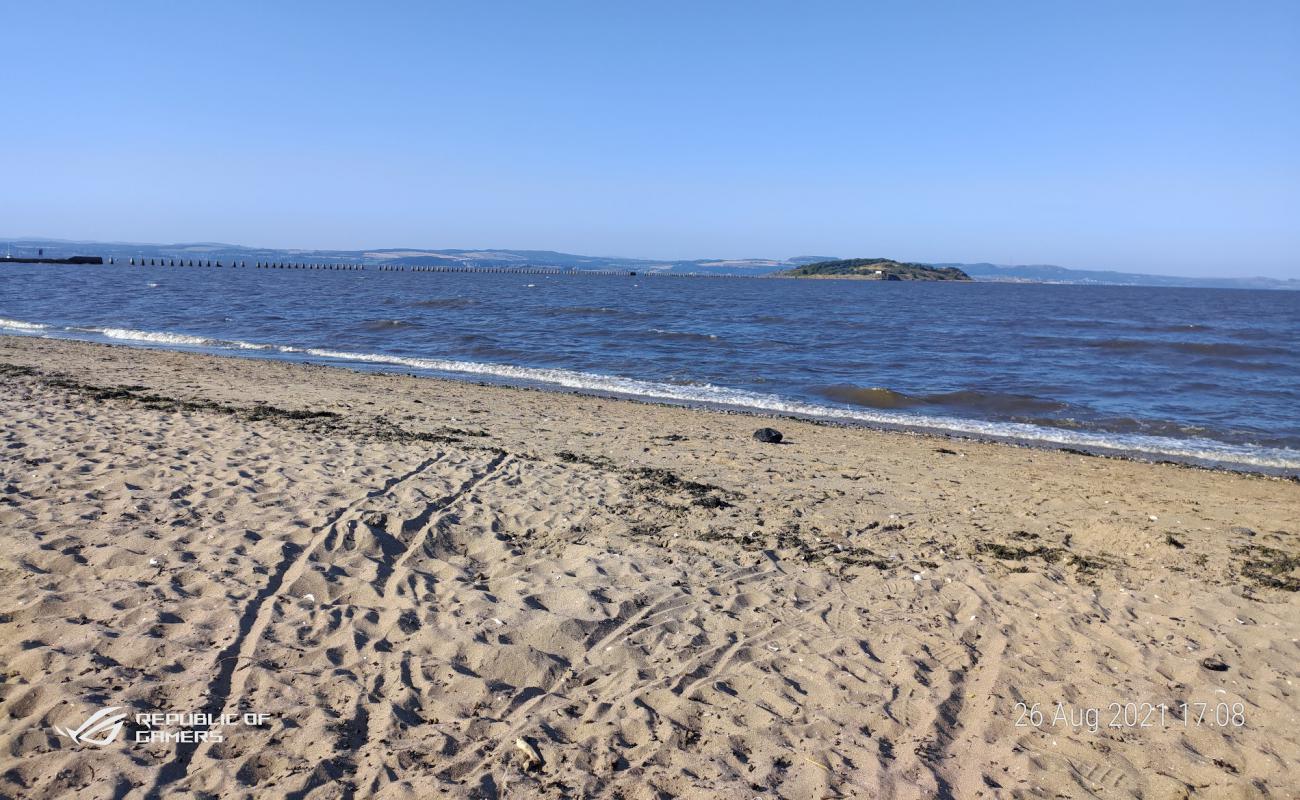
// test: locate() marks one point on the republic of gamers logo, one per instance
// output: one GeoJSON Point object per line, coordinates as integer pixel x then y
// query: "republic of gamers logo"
{"type": "Point", "coordinates": [101, 729]}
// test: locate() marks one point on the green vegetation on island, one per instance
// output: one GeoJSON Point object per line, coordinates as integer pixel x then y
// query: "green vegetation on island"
{"type": "Point", "coordinates": [875, 269]}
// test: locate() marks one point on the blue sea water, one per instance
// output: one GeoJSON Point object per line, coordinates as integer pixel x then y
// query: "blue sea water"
{"type": "Point", "coordinates": [1200, 375]}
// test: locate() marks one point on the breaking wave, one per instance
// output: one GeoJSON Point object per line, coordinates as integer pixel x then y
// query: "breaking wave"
{"type": "Point", "coordinates": [866, 405]}
{"type": "Point", "coordinates": [165, 338]}
{"type": "Point", "coordinates": [707, 394]}
{"type": "Point", "coordinates": [19, 325]}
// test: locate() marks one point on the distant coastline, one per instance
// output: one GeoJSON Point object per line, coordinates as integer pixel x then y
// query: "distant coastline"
{"type": "Point", "coordinates": [489, 258]}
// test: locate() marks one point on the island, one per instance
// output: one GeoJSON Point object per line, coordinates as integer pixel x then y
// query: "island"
{"type": "Point", "coordinates": [875, 269]}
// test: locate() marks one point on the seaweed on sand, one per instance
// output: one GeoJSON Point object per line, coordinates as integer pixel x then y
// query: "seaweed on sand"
{"type": "Point", "coordinates": [1013, 553]}
{"type": "Point", "coordinates": [658, 480]}
{"type": "Point", "coordinates": [1271, 568]}
{"type": "Point", "coordinates": [1083, 564]}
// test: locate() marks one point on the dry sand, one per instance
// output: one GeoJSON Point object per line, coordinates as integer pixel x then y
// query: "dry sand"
{"type": "Point", "coordinates": [658, 604]}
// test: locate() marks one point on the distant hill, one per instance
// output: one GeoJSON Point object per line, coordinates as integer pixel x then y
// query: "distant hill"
{"type": "Point", "coordinates": [410, 256]}
{"type": "Point", "coordinates": [1048, 273]}
{"type": "Point", "coordinates": [875, 269]}
{"type": "Point", "coordinates": [809, 259]}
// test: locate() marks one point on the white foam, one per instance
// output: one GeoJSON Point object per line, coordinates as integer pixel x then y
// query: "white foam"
{"type": "Point", "coordinates": [19, 325]}
{"type": "Point", "coordinates": [154, 336]}
{"type": "Point", "coordinates": [1198, 449]}
{"type": "Point", "coordinates": [158, 337]}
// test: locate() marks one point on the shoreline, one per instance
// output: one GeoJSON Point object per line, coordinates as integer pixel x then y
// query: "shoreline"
{"type": "Point", "coordinates": [1178, 451]}
{"type": "Point", "coordinates": [408, 575]}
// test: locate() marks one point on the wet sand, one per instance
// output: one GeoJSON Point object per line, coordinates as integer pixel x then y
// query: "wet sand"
{"type": "Point", "coordinates": [409, 576]}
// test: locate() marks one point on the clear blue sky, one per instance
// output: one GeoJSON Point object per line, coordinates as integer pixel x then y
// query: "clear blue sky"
{"type": "Point", "coordinates": [1152, 136]}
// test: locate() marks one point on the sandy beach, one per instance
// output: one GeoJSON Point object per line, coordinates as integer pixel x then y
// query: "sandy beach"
{"type": "Point", "coordinates": [403, 587]}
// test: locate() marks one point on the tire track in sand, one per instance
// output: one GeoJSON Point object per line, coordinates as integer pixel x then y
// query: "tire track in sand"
{"type": "Point", "coordinates": [356, 730]}
{"type": "Point", "coordinates": [252, 624]}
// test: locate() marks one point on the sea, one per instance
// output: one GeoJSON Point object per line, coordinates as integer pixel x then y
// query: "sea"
{"type": "Point", "coordinates": [1200, 376]}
